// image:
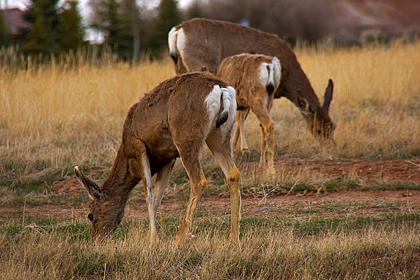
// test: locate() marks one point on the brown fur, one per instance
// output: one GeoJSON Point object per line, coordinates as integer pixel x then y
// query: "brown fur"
{"type": "Point", "coordinates": [169, 122]}
{"type": "Point", "coordinates": [210, 41]}
{"type": "Point", "coordinates": [243, 73]}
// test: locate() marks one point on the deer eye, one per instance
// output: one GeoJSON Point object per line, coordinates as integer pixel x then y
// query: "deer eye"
{"type": "Point", "coordinates": [90, 217]}
{"type": "Point", "coordinates": [319, 132]}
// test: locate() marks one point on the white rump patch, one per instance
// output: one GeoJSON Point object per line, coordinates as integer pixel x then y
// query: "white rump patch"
{"type": "Point", "coordinates": [270, 73]}
{"type": "Point", "coordinates": [264, 75]}
{"type": "Point", "coordinates": [229, 103]}
{"type": "Point", "coordinates": [172, 38]}
{"type": "Point", "coordinates": [277, 71]}
{"type": "Point", "coordinates": [213, 103]}
{"type": "Point", "coordinates": [180, 43]}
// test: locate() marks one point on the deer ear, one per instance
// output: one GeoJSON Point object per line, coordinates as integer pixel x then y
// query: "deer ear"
{"type": "Point", "coordinates": [328, 95]}
{"type": "Point", "coordinates": [302, 104]}
{"type": "Point", "coordinates": [93, 189]}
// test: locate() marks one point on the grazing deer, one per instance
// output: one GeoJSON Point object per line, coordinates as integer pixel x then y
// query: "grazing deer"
{"type": "Point", "coordinates": [202, 42]}
{"type": "Point", "coordinates": [173, 120]}
{"type": "Point", "coordinates": [255, 79]}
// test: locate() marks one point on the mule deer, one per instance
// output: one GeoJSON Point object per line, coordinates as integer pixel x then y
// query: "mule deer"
{"type": "Point", "coordinates": [255, 79]}
{"type": "Point", "coordinates": [173, 120]}
{"type": "Point", "coordinates": [202, 42]}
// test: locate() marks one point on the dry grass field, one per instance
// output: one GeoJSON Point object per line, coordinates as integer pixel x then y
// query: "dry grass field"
{"type": "Point", "coordinates": [305, 224]}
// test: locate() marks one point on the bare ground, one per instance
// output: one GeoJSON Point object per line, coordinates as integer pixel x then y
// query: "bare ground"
{"type": "Point", "coordinates": [297, 204]}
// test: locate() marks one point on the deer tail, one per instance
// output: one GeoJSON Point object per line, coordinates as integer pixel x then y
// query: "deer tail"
{"type": "Point", "coordinates": [228, 106]}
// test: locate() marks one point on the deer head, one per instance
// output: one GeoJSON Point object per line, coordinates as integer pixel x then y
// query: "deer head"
{"type": "Point", "coordinates": [105, 212]}
{"type": "Point", "coordinates": [317, 117]}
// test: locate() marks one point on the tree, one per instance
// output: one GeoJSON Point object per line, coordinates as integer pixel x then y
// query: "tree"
{"type": "Point", "coordinates": [168, 17]}
{"type": "Point", "coordinates": [110, 21]}
{"type": "Point", "coordinates": [70, 35]}
{"type": "Point", "coordinates": [6, 38]}
{"type": "Point", "coordinates": [41, 37]}
{"type": "Point", "coordinates": [114, 20]}
{"type": "Point", "coordinates": [132, 13]}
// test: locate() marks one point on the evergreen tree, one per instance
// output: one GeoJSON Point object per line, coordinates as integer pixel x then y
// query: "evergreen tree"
{"type": "Point", "coordinates": [117, 26]}
{"type": "Point", "coordinates": [41, 37]}
{"type": "Point", "coordinates": [110, 21]}
{"type": "Point", "coordinates": [168, 17]}
{"type": "Point", "coordinates": [131, 14]}
{"type": "Point", "coordinates": [70, 32]}
{"type": "Point", "coordinates": [6, 38]}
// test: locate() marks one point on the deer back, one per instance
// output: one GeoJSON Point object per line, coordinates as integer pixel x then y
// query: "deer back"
{"type": "Point", "coordinates": [177, 102]}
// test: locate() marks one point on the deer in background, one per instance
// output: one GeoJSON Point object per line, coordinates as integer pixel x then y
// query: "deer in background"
{"type": "Point", "coordinates": [205, 43]}
{"type": "Point", "coordinates": [173, 120]}
{"type": "Point", "coordinates": [255, 79]}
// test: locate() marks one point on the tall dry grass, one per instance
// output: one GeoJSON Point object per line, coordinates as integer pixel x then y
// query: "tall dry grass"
{"type": "Point", "coordinates": [52, 118]}
{"type": "Point", "coordinates": [377, 98]}
{"type": "Point", "coordinates": [56, 117]}
{"type": "Point", "coordinates": [279, 250]}
{"type": "Point", "coordinates": [376, 104]}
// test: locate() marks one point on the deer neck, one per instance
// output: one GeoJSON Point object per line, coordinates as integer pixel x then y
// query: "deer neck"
{"type": "Point", "coordinates": [293, 79]}
{"type": "Point", "coordinates": [308, 93]}
{"type": "Point", "coordinates": [120, 182]}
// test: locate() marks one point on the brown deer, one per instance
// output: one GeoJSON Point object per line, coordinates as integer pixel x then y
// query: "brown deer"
{"type": "Point", "coordinates": [255, 79]}
{"type": "Point", "coordinates": [173, 120]}
{"type": "Point", "coordinates": [202, 42]}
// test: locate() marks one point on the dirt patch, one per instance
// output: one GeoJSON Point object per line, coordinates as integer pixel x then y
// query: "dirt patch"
{"type": "Point", "coordinates": [351, 203]}
{"type": "Point", "coordinates": [404, 171]}
{"type": "Point", "coordinates": [70, 187]}
{"type": "Point", "coordinates": [354, 202]}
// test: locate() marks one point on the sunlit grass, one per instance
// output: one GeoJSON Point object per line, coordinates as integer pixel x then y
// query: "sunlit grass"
{"type": "Point", "coordinates": [280, 248]}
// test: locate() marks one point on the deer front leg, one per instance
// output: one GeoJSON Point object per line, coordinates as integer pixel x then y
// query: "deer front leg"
{"type": "Point", "coordinates": [142, 160]}
{"type": "Point", "coordinates": [162, 181]}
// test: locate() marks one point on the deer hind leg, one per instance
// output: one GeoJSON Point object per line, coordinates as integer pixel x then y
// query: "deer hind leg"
{"type": "Point", "coordinates": [162, 181]}
{"type": "Point", "coordinates": [222, 151]}
{"type": "Point", "coordinates": [198, 182]}
{"type": "Point", "coordinates": [241, 116]}
{"type": "Point", "coordinates": [267, 136]}
{"type": "Point", "coordinates": [236, 131]}
{"type": "Point", "coordinates": [142, 160]}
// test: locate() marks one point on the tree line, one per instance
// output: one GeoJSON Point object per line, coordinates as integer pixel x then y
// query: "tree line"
{"type": "Point", "coordinates": [119, 26]}
{"type": "Point", "coordinates": [131, 29]}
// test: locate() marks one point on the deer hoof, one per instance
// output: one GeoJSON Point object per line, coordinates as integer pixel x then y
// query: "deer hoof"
{"type": "Point", "coordinates": [246, 154]}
